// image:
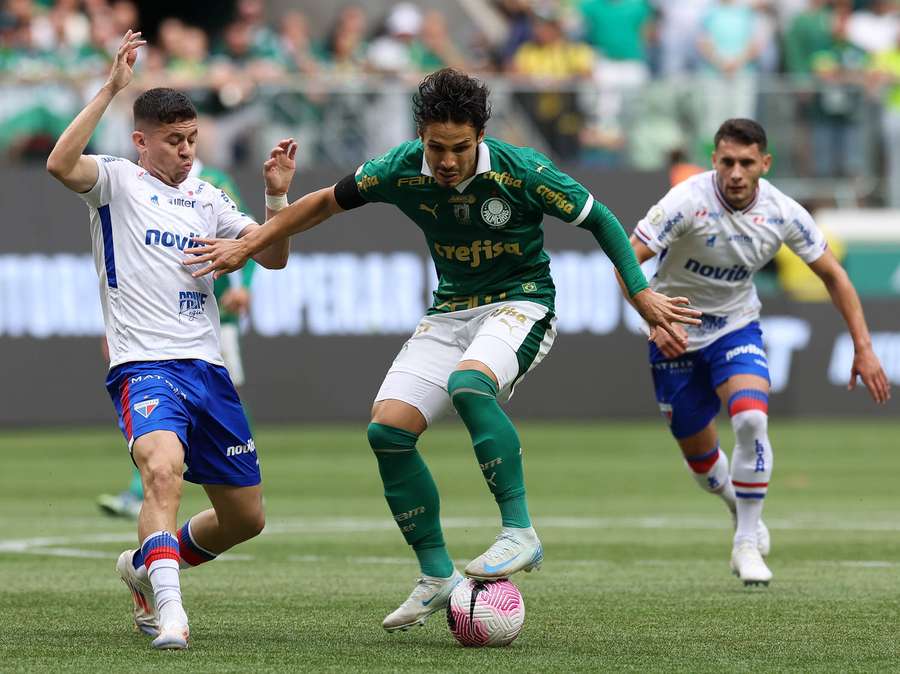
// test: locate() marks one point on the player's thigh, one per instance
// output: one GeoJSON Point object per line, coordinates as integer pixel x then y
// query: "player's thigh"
{"type": "Point", "coordinates": [399, 414]}
{"type": "Point", "coordinates": [414, 391]}
{"type": "Point", "coordinates": [237, 507]}
{"type": "Point", "coordinates": [221, 449]}
{"type": "Point", "coordinates": [741, 382]}
{"type": "Point", "coordinates": [510, 340]}
{"type": "Point", "coordinates": [684, 393]}
{"type": "Point", "coordinates": [738, 361]}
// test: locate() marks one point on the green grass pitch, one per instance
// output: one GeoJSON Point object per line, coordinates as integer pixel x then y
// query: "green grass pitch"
{"type": "Point", "coordinates": [636, 575]}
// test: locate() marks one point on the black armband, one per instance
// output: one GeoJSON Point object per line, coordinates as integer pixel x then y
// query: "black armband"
{"type": "Point", "coordinates": [346, 193]}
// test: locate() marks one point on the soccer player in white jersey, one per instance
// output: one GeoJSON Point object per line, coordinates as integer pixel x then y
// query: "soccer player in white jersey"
{"type": "Point", "coordinates": [175, 400]}
{"type": "Point", "coordinates": [712, 233]}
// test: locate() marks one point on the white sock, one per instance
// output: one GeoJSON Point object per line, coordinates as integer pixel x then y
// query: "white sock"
{"type": "Point", "coordinates": [751, 470]}
{"type": "Point", "coordinates": [749, 511]}
{"type": "Point", "coordinates": [160, 550]}
{"type": "Point", "coordinates": [710, 471]}
{"type": "Point", "coordinates": [166, 584]}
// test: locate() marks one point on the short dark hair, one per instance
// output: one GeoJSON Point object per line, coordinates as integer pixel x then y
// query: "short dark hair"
{"type": "Point", "coordinates": [449, 95]}
{"type": "Point", "coordinates": [163, 106]}
{"type": "Point", "coordinates": [743, 131]}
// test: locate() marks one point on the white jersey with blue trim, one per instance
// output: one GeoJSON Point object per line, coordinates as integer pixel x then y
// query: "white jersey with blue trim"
{"type": "Point", "coordinates": [709, 251]}
{"type": "Point", "coordinates": [141, 228]}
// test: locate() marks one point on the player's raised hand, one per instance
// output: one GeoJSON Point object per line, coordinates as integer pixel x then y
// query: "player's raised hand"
{"type": "Point", "coordinates": [123, 66]}
{"type": "Point", "coordinates": [868, 368]}
{"type": "Point", "coordinates": [218, 256]}
{"type": "Point", "coordinates": [662, 313]}
{"type": "Point", "coordinates": [278, 169]}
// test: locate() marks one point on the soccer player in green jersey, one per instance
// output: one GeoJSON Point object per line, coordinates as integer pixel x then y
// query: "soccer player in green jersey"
{"type": "Point", "coordinates": [232, 294]}
{"type": "Point", "coordinates": [480, 203]}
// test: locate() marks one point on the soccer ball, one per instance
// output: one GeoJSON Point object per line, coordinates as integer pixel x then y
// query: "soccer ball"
{"type": "Point", "coordinates": [486, 613]}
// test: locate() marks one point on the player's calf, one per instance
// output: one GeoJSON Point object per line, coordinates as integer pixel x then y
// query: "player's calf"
{"type": "Point", "coordinates": [497, 447]}
{"type": "Point", "coordinates": [710, 472]}
{"type": "Point", "coordinates": [412, 496]}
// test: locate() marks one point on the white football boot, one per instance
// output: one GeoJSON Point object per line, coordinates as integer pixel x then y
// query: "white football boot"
{"type": "Point", "coordinates": [763, 539]}
{"type": "Point", "coordinates": [514, 550]}
{"type": "Point", "coordinates": [748, 565]}
{"type": "Point", "coordinates": [431, 594]}
{"type": "Point", "coordinates": [173, 628]}
{"type": "Point", "coordinates": [143, 609]}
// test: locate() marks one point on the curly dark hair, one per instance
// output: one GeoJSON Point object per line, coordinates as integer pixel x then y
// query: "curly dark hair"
{"type": "Point", "coordinates": [743, 131]}
{"type": "Point", "coordinates": [163, 106]}
{"type": "Point", "coordinates": [449, 95]}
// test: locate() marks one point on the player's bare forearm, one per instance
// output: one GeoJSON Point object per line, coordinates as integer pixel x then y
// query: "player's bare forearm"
{"type": "Point", "coordinates": [305, 213]}
{"type": "Point", "coordinates": [845, 298]}
{"type": "Point", "coordinates": [66, 162]}
{"type": "Point", "coordinates": [267, 243]}
{"type": "Point", "coordinates": [275, 255]}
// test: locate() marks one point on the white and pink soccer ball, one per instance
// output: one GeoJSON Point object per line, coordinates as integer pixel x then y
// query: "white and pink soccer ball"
{"type": "Point", "coordinates": [485, 613]}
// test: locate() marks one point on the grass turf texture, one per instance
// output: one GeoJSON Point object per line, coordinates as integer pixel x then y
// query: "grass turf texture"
{"type": "Point", "coordinates": [636, 574]}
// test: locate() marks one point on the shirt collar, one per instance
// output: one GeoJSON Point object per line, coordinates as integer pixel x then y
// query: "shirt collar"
{"type": "Point", "coordinates": [482, 165]}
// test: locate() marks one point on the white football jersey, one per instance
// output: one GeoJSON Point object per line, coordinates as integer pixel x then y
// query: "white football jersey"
{"type": "Point", "coordinates": [709, 252]}
{"type": "Point", "coordinates": [141, 229]}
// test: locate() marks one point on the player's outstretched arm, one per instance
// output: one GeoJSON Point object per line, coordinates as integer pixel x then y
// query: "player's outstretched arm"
{"type": "Point", "coordinates": [223, 256]}
{"type": "Point", "coordinates": [865, 363]}
{"type": "Point", "coordinates": [67, 162]}
{"type": "Point", "coordinates": [670, 346]}
{"type": "Point", "coordinates": [661, 312]}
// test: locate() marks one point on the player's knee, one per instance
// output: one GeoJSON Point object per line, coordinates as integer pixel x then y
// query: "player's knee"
{"type": "Point", "coordinates": [384, 437]}
{"type": "Point", "coordinates": [468, 386]}
{"type": "Point", "coordinates": [253, 524]}
{"type": "Point", "coordinates": [749, 411]}
{"type": "Point", "coordinates": [750, 426]}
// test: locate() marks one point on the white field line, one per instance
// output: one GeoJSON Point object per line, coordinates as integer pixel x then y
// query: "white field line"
{"type": "Point", "coordinates": [561, 563]}
{"type": "Point", "coordinates": [73, 546]}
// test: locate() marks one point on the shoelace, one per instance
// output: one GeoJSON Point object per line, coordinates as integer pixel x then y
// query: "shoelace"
{"type": "Point", "coordinates": [421, 584]}
{"type": "Point", "coordinates": [498, 551]}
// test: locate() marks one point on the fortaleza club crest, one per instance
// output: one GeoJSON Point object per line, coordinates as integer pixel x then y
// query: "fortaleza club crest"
{"type": "Point", "coordinates": [145, 407]}
{"type": "Point", "coordinates": [496, 212]}
{"type": "Point", "coordinates": [191, 304]}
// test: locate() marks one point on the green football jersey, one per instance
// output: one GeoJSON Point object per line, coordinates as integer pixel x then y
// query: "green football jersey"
{"type": "Point", "coordinates": [486, 234]}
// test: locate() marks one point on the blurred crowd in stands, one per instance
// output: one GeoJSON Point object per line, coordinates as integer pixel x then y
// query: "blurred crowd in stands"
{"type": "Point", "coordinates": [610, 82]}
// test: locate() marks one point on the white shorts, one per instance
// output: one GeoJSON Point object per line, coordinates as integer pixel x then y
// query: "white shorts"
{"type": "Point", "coordinates": [511, 338]}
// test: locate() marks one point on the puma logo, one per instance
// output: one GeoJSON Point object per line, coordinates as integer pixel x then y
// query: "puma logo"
{"type": "Point", "coordinates": [432, 210]}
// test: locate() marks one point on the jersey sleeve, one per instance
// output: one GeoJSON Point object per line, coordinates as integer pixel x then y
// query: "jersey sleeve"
{"type": "Point", "coordinates": [667, 220]}
{"type": "Point", "coordinates": [230, 222]}
{"type": "Point", "coordinates": [375, 178]}
{"type": "Point", "coordinates": [803, 236]}
{"type": "Point", "coordinates": [558, 194]}
{"type": "Point", "coordinates": [102, 191]}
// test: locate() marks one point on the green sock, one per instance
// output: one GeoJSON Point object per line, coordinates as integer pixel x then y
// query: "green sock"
{"type": "Point", "coordinates": [136, 487]}
{"type": "Point", "coordinates": [497, 446]}
{"type": "Point", "coordinates": [412, 496]}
